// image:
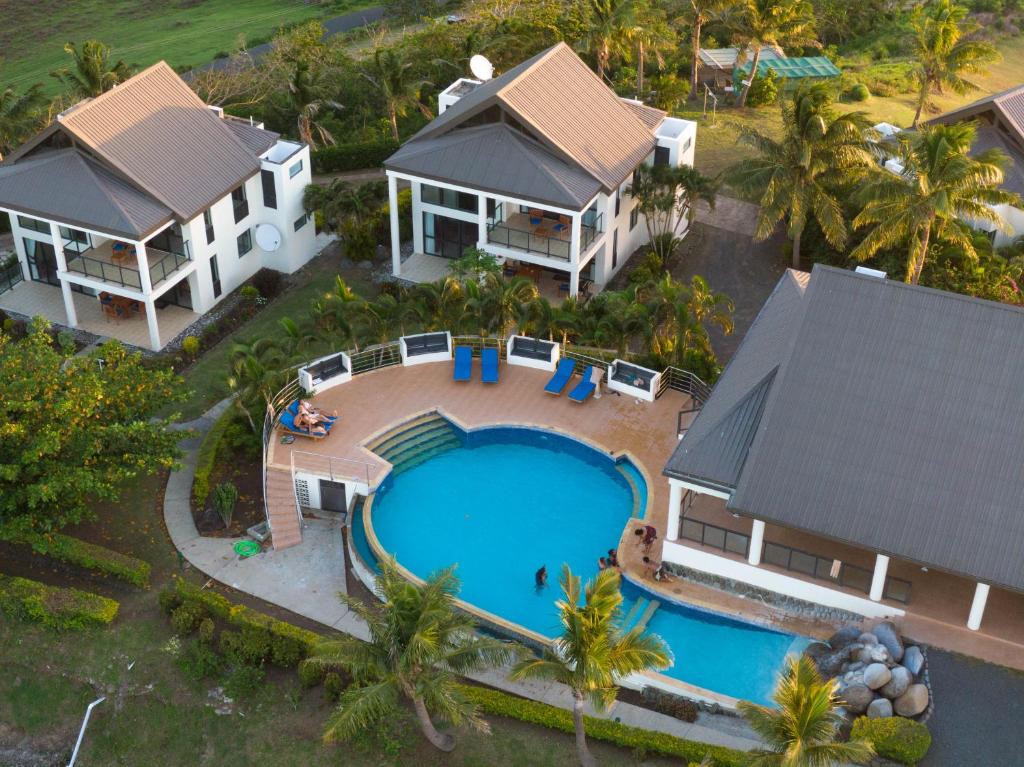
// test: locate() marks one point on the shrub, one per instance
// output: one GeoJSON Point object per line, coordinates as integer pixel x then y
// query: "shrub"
{"type": "Point", "coordinates": [207, 457]}
{"type": "Point", "coordinates": [902, 740]}
{"type": "Point", "coordinates": [243, 681]}
{"type": "Point", "coordinates": [502, 704]}
{"type": "Point", "coordinates": [859, 92]}
{"type": "Point", "coordinates": [268, 282]}
{"type": "Point", "coordinates": [77, 552]}
{"type": "Point", "coordinates": [344, 157]}
{"type": "Point", "coordinates": [360, 238]}
{"type": "Point", "coordinates": [206, 629]}
{"type": "Point", "coordinates": [190, 345]}
{"type": "Point", "coordinates": [311, 674]}
{"type": "Point", "coordinates": [198, 661]}
{"type": "Point", "coordinates": [56, 608]}
{"type": "Point", "coordinates": [168, 599]}
{"type": "Point", "coordinates": [249, 646]}
{"type": "Point", "coordinates": [66, 341]}
{"type": "Point", "coordinates": [225, 496]}
{"type": "Point", "coordinates": [186, 618]}
{"type": "Point", "coordinates": [249, 292]}
{"type": "Point", "coordinates": [670, 90]}
{"type": "Point", "coordinates": [334, 686]}
{"type": "Point", "coordinates": [764, 91]}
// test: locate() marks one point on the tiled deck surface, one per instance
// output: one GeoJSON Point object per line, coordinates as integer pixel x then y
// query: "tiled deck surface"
{"type": "Point", "coordinates": [37, 298]}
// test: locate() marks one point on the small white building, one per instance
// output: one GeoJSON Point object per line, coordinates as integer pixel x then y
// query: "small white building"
{"type": "Point", "coordinates": [533, 167]}
{"type": "Point", "coordinates": [144, 204]}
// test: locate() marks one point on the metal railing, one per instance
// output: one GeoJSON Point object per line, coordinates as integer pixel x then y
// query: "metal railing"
{"type": "Point", "coordinates": [376, 357]}
{"type": "Point", "coordinates": [10, 276]}
{"type": "Point", "coordinates": [126, 276]}
{"type": "Point", "coordinates": [501, 232]}
{"type": "Point", "coordinates": [478, 343]}
{"type": "Point", "coordinates": [336, 468]}
{"type": "Point", "coordinates": [686, 382]}
{"type": "Point", "coordinates": [793, 560]}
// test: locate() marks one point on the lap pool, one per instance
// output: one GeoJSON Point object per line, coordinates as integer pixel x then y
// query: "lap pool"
{"type": "Point", "coordinates": [501, 502]}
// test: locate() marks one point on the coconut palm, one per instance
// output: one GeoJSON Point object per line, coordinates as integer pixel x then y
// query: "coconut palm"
{"type": "Point", "coordinates": [941, 185]}
{"type": "Point", "coordinates": [93, 72]}
{"type": "Point", "coordinates": [667, 196]}
{"type": "Point", "coordinates": [620, 317]}
{"type": "Point", "coordinates": [652, 36]}
{"type": "Point", "coordinates": [757, 24]}
{"type": "Point", "coordinates": [697, 13]}
{"type": "Point", "coordinates": [943, 51]}
{"type": "Point", "coordinates": [496, 304]}
{"type": "Point", "coordinates": [439, 305]}
{"type": "Point", "coordinates": [20, 113]}
{"type": "Point", "coordinates": [611, 27]}
{"type": "Point", "coordinates": [801, 729]}
{"type": "Point", "coordinates": [419, 646]}
{"type": "Point", "coordinates": [257, 374]}
{"type": "Point", "coordinates": [306, 92]}
{"type": "Point", "coordinates": [800, 174]}
{"type": "Point", "coordinates": [334, 312]}
{"type": "Point", "coordinates": [393, 78]}
{"type": "Point", "coordinates": [593, 654]}
{"type": "Point", "coordinates": [706, 307]}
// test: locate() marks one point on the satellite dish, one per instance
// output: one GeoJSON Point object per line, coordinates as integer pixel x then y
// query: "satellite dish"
{"type": "Point", "coordinates": [268, 238]}
{"type": "Point", "coordinates": [481, 68]}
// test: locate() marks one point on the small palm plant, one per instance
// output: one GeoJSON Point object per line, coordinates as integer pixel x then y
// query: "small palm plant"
{"type": "Point", "coordinates": [801, 729]}
{"type": "Point", "coordinates": [225, 497]}
{"type": "Point", "coordinates": [593, 653]}
{"type": "Point", "coordinates": [419, 646]}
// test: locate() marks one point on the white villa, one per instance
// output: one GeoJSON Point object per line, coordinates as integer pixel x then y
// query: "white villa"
{"type": "Point", "coordinates": [137, 211]}
{"type": "Point", "coordinates": [533, 167]}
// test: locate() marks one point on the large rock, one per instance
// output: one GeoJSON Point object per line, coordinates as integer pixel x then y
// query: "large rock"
{"type": "Point", "coordinates": [816, 650]}
{"type": "Point", "coordinates": [875, 653]}
{"type": "Point", "coordinates": [867, 639]}
{"type": "Point", "coordinates": [857, 698]}
{"type": "Point", "coordinates": [889, 637]}
{"type": "Point", "coordinates": [843, 637]}
{"type": "Point", "coordinates": [880, 708]}
{"type": "Point", "coordinates": [830, 665]}
{"type": "Point", "coordinates": [898, 684]}
{"type": "Point", "coordinates": [913, 660]}
{"type": "Point", "coordinates": [876, 675]}
{"type": "Point", "coordinates": [913, 702]}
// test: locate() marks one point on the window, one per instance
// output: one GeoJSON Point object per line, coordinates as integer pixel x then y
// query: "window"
{"type": "Point", "coordinates": [244, 243]}
{"type": "Point", "coordinates": [170, 240]}
{"type": "Point", "coordinates": [34, 224]}
{"type": "Point", "coordinates": [241, 203]}
{"type": "Point", "coordinates": [295, 170]}
{"type": "Point", "coordinates": [208, 222]}
{"type": "Point", "coordinates": [447, 237]}
{"type": "Point", "coordinates": [688, 144]}
{"type": "Point", "coordinates": [215, 275]}
{"type": "Point", "coordinates": [301, 222]}
{"type": "Point", "coordinates": [269, 191]}
{"type": "Point", "coordinates": [615, 249]}
{"type": "Point", "coordinates": [74, 240]}
{"type": "Point", "coordinates": [448, 198]}
{"type": "Point", "coordinates": [661, 155]}
{"type": "Point", "coordinates": [634, 216]}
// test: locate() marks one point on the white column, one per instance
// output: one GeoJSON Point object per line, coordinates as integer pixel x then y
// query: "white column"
{"type": "Point", "coordinates": [574, 255]}
{"type": "Point", "coordinates": [154, 330]}
{"type": "Point", "coordinates": [481, 221]}
{"type": "Point", "coordinates": [756, 542]}
{"type": "Point", "coordinates": [396, 252]}
{"type": "Point", "coordinates": [62, 269]}
{"type": "Point", "coordinates": [675, 507]}
{"type": "Point", "coordinates": [417, 217]}
{"type": "Point", "coordinates": [143, 265]}
{"type": "Point", "coordinates": [978, 607]}
{"type": "Point", "coordinates": [878, 578]}
{"type": "Point", "coordinates": [603, 259]}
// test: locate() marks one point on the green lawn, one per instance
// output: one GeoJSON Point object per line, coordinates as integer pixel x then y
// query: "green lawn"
{"type": "Point", "coordinates": [183, 32]}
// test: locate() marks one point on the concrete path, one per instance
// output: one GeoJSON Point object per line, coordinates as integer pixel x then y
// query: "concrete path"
{"type": "Point", "coordinates": [306, 578]}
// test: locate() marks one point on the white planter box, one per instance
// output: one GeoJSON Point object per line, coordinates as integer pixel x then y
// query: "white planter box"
{"type": "Point", "coordinates": [548, 364]}
{"type": "Point", "coordinates": [634, 391]}
{"type": "Point", "coordinates": [424, 357]}
{"type": "Point", "coordinates": [314, 381]}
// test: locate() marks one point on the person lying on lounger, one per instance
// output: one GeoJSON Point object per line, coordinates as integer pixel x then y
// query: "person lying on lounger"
{"type": "Point", "coordinates": [311, 422]}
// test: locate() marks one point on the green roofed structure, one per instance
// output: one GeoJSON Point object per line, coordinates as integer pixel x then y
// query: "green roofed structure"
{"type": "Point", "coordinates": [804, 67]}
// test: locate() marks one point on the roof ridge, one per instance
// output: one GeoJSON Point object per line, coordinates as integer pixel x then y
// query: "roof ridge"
{"type": "Point", "coordinates": [544, 56]}
{"type": "Point", "coordinates": [87, 103]}
{"type": "Point", "coordinates": [518, 138]}
{"type": "Point", "coordinates": [99, 169]}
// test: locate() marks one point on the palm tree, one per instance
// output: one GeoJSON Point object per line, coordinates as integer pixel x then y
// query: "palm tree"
{"type": "Point", "coordinates": [799, 175]}
{"type": "Point", "coordinates": [667, 196]}
{"type": "Point", "coordinates": [697, 13]}
{"type": "Point", "coordinates": [652, 35]}
{"type": "Point", "coordinates": [761, 23]}
{"type": "Point", "coordinates": [593, 653]}
{"type": "Point", "coordinates": [394, 81]}
{"type": "Point", "coordinates": [611, 26]}
{"type": "Point", "coordinates": [620, 318]}
{"type": "Point", "coordinates": [419, 645]}
{"type": "Point", "coordinates": [706, 307]}
{"type": "Point", "coordinates": [93, 73]}
{"type": "Point", "coordinates": [257, 374]}
{"type": "Point", "coordinates": [306, 92]}
{"type": "Point", "coordinates": [943, 53]}
{"type": "Point", "coordinates": [334, 312]}
{"type": "Point", "coordinates": [20, 113]}
{"type": "Point", "coordinates": [499, 303]}
{"type": "Point", "coordinates": [801, 729]}
{"type": "Point", "coordinates": [941, 185]}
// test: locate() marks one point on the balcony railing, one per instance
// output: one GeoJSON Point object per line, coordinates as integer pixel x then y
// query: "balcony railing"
{"type": "Point", "coordinates": [507, 233]}
{"type": "Point", "coordinates": [162, 265]}
{"type": "Point", "coordinates": [10, 276]}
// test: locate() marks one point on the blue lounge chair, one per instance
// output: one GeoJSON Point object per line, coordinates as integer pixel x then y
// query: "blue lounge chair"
{"type": "Point", "coordinates": [463, 363]}
{"type": "Point", "coordinates": [561, 376]}
{"type": "Point", "coordinates": [585, 387]}
{"type": "Point", "coordinates": [294, 410]}
{"type": "Point", "coordinates": [289, 425]}
{"type": "Point", "coordinates": [489, 365]}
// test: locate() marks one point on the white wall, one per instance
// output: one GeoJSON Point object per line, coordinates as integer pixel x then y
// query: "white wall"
{"type": "Point", "coordinates": [1014, 218]}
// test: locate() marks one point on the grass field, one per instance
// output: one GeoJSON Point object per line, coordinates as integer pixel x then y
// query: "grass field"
{"type": "Point", "coordinates": [183, 32]}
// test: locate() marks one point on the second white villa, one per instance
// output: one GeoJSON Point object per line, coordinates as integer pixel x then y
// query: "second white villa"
{"type": "Point", "coordinates": [139, 210]}
{"type": "Point", "coordinates": [532, 167]}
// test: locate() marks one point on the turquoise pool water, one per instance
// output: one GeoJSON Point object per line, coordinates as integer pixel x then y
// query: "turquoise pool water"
{"type": "Point", "coordinates": [508, 500]}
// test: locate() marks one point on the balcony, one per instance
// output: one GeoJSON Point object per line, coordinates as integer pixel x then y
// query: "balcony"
{"type": "Point", "coordinates": [120, 267]}
{"type": "Point", "coordinates": [551, 237]}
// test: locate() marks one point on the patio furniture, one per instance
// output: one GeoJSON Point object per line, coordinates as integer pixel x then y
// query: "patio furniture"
{"type": "Point", "coordinates": [585, 387]}
{"type": "Point", "coordinates": [463, 369]}
{"type": "Point", "coordinates": [561, 377]}
{"type": "Point", "coordinates": [564, 223]}
{"type": "Point", "coordinates": [294, 410]}
{"type": "Point", "coordinates": [536, 216]}
{"type": "Point", "coordinates": [289, 425]}
{"type": "Point", "coordinates": [488, 365]}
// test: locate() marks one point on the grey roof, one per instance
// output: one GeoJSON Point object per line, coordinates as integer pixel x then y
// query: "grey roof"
{"type": "Point", "coordinates": [989, 137]}
{"type": "Point", "coordinates": [257, 140]}
{"type": "Point", "coordinates": [567, 108]}
{"type": "Point", "coordinates": [67, 185]}
{"type": "Point", "coordinates": [896, 423]}
{"type": "Point", "coordinates": [497, 158]}
{"type": "Point", "coordinates": [1008, 106]}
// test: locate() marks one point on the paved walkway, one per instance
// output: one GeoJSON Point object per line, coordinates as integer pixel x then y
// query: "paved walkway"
{"type": "Point", "coordinates": [305, 578]}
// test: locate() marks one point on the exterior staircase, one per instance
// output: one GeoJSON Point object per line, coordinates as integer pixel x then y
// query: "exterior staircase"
{"type": "Point", "coordinates": [285, 528]}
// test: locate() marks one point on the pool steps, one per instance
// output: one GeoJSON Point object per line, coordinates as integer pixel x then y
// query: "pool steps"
{"type": "Point", "coordinates": [417, 441]}
{"type": "Point", "coordinates": [640, 614]}
{"type": "Point", "coordinates": [637, 511]}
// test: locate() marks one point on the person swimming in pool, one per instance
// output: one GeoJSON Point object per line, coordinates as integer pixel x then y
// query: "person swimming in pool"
{"type": "Point", "coordinates": [603, 564]}
{"type": "Point", "coordinates": [540, 578]}
{"type": "Point", "coordinates": [613, 558]}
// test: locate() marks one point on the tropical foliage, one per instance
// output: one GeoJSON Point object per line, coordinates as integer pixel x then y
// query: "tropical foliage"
{"type": "Point", "coordinates": [757, 24]}
{"type": "Point", "coordinates": [20, 114]}
{"type": "Point", "coordinates": [93, 73]}
{"type": "Point", "coordinates": [667, 196]}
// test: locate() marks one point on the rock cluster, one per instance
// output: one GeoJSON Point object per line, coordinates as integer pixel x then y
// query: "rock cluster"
{"type": "Point", "coordinates": [876, 673]}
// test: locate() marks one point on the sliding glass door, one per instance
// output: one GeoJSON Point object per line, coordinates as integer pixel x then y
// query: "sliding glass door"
{"type": "Point", "coordinates": [447, 237]}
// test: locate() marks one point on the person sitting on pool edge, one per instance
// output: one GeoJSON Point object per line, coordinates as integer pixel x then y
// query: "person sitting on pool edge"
{"type": "Point", "coordinates": [540, 578]}
{"type": "Point", "coordinates": [613, 558]}
{"type": "Point", "coordinates": [603, 564]}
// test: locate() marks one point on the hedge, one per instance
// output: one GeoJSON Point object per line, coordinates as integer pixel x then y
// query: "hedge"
{"type": "Point", "coordinates": [56, 608]}
{"type": "Point", "coordinates": [64, 548]}
{"type": "Point", "coordinates": [344, 157]}
{"type": "Point", "coordinates": [208, 457]}
{"type": "Point", "coordinates": [501, 704]}
{"type": "Point", "coordinates": [902, 740]}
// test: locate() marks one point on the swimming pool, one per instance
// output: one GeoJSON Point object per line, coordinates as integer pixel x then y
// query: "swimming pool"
{"type": "Point", "coordinates": [500, 502]}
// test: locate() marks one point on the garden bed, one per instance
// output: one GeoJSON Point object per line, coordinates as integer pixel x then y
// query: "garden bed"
{"type": "Point", "coordinates": [245, 472]}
